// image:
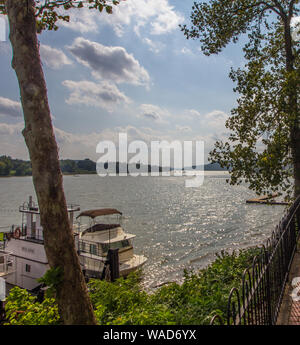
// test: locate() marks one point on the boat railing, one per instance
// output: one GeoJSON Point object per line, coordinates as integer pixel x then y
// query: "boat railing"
{"type": "Point", "coordinates": [89, 247]}
{"type": "Point", "coordinates": [26, 207]}
{"type": "Point", "coordinates": [78, 228]}
{"type": "Point", "coordinates": [6, 263]}
{"type": "Point", "coordinates": [73, 207]}
{"type": "Point", "coordinates": [38, 236]}
{"type": "Point", "coordinates": [20, 233]}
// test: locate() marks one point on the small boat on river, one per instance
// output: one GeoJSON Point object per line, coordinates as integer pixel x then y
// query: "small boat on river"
{"type": "Point", "coordinates": [22, 254]}
{"type": "Point", "coordinates": [99, 235]}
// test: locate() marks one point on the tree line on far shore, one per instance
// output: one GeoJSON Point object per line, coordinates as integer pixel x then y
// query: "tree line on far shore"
{"type": "Point", "coordinates": [18, 167]}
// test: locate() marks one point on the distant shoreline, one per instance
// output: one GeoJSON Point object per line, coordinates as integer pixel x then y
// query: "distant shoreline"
{"type": "Point", "coordinates": [95, 173]}
{"type": "Point", "coordinates": [10, 167]}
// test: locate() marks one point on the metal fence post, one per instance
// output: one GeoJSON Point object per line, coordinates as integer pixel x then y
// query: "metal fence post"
{"type": "Point", "coordinates": [268, 289]}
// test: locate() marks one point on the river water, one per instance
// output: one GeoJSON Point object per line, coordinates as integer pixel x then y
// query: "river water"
{"type": "Point", "coordinates": [175, 227]}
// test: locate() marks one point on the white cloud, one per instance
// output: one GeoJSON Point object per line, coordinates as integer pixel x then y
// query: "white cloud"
{"type": "Point", "coordinates": [186, 51]}
{"type": "Point", "coordinates": [212, 121]}
{"type": "Point", "coordinates": [295, 24]}
{"type": "Point", "coordinates": [83, 145]}
{"type": "Point", "coordinates": [216, 119]}
{"type": "Point", "coordinates": [156, 16]}
{"type": "Point", "coordinates": [153, 112]}
{"type": "Point", "coordinates": [82, 20]}
{"type": "Point", "coordinates": [10, 107]}
{"type": "Point", "coordinates": [155, 47]}
{"type": "Point", "coordinates": [193, 112]}
{"type": "Point", "coordinates": [109, 63]}
{"type": "Point", "coordinates": [53, 58]}
{"type": "Point", "coordinates": [295, 21]}
{"type": "Point", "coordinates": [11, 140]}
{"type": "Point", "coordinates": [104, 94]}
{"type": "Point", "coordinates": [79, 146]}
{"type": "Point", "coordinates": [183, 128]}
{"type": "Point", "coordinates": [11, 129]}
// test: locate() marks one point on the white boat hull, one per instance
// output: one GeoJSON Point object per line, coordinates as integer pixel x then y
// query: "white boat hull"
{"type": "Point", "coordinates": [134, 263]}
{"type": "Point", "coordinates": [94, 267]}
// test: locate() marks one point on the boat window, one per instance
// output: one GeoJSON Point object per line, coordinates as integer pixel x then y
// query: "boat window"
{"type": "Point", "coordinates": [82, 246]}
{"type": "Point", "coordinates": [125, 243]}
{"type": "Point", "coordinates": [93, 249]}
{"type": "Point", "coordinates": [115, 245]}
{"type": "Point", "coordinates": [105, 248]}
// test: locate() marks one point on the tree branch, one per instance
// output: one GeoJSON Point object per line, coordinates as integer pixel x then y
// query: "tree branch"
{"type": "Point", "coordinates": [51, 5]}
{"type": "Point", "coordinates": [291, 9]}
{"type": "Point", "coordinates": [280, 8]}
{"type": "Point", "coordinates": [271, 7]}
{"type": "Point", "coordinates": [256, 5]}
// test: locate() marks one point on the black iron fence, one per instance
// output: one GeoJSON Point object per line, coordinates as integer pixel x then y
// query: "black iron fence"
{"type": "Point", "coordinates": [258, 300]}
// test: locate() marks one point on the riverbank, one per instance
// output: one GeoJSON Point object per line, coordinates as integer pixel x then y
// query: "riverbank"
{"type": "Point", "coordinates": [202, 294]}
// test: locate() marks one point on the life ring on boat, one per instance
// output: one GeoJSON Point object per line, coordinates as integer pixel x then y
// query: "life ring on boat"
{"type": "Point", "coordinates": [17, 233]}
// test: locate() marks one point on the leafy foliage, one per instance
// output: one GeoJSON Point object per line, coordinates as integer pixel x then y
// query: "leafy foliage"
{"type": "Point", "coordinates": [263, 145]}
{"type": "Point", "coordinates": [22, 309]}
{"type": "Point", "coordinates": [14, 167]}
{"type": "Point", "coordinates": [49, 12]}
{"type": "Point", "coordinates": [18, 167]}
{"type": "Point", "coordinates": [52, 278]}
{"type": "Point", "coordinates": [124, 302]}
{"type": "Point", "coordinates": [195, 301]}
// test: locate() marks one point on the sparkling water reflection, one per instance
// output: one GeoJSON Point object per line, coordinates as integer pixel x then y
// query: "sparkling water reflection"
{"type": "Point", "coordinates": [176, 227]}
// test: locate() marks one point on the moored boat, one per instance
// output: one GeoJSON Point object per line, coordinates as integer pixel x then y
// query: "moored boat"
{"type": "Point", "coordinates": [24, 247]}
{"type": "Point", "coordinates": [97, 237]}
{"type": "Point", "coordinates": [22, 254]}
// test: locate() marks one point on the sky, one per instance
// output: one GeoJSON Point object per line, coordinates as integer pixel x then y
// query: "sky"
{"type": "Point", "coordinates": [129, 72]}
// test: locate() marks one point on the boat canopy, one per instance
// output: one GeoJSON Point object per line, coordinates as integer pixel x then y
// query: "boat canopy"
{"type": "Point", "coordinates": [98, 212]}
{"type": "Point", "coordinates": [100, 227]}
{"type": "Point", "coordinates": [117, 239]}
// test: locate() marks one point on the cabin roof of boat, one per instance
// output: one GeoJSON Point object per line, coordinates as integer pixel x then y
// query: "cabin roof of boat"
{"type": "Point", "coordinates": [100, 227]}
{"type": "Point", "coordinates": [118, 238]}
{"type": "Point", "coordinates": [99, 212]}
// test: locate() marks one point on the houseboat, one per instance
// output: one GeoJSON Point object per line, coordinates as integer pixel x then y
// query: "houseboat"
{"type": "Point", "coordinates": [25, 256]}
{"type": "Point", "coordinates": [98, 235]}
{"type": "Point", "coordinates": [22, 255]}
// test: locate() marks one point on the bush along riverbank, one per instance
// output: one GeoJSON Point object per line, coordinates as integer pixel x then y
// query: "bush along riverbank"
{"type": "Point", "coordinates": [202, 294]}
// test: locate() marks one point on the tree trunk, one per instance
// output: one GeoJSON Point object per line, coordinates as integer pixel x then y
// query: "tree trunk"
{"type": "Point", "coordinates": [295, 139]}
{"type": "Point", "coordinates": [293, 110]}
{"type": "Point", "coordinates": [72, 295]}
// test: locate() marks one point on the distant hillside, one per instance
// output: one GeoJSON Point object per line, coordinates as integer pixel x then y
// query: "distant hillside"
{"type": "Point", "coordinates": [208, 167]}
{"type": "Point", "coordinates": [18, 167]}
{"type": "Point", "coordinates": [214, 167]}
{"type": "Point", "coordinates": [14, 167]}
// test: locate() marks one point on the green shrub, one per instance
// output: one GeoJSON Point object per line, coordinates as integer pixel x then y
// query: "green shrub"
{"type": "Point", "coordinates": [194, 302]}
{"type": "Point", "coordinates": [21, 308]}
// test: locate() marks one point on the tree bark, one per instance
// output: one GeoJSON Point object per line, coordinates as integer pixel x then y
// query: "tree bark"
{"type": "Point", "coordinates": [72, 295]}
{"type": "Point", "coordinates": [293, 105]}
